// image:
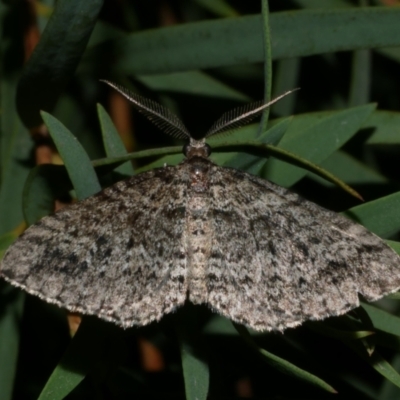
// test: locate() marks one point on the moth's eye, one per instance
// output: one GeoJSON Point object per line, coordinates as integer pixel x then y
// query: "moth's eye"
{"type": "Point", "coordinates": [186, 148]}
{"type": "Point", "coordinates": [207, 149]}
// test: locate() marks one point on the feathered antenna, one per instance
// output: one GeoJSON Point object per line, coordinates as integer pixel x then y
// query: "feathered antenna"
{"type": "Point", "coordinates": [159, 115]}
{"type": "Point", "coordinates": [242, 115]}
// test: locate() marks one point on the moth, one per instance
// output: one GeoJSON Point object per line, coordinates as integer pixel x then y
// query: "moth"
{"type": "Point", "coordinates": [252, 251]}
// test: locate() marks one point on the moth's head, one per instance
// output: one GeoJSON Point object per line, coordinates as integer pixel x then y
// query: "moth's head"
{"type": "Point", "coordinates": [196, 148]}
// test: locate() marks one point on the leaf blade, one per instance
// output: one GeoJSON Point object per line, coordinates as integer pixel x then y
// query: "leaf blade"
{"type": "Point", "coordinates": [76, 160]}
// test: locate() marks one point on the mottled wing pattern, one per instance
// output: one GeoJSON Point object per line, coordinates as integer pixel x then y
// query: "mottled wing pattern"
{"type": "Point", "coordinates": [110, 255]}
{"type": "Point", "coordinates": [278, 260]}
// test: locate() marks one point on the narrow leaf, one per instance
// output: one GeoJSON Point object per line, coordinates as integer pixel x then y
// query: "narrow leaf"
{"type": "Point", "coordinates": [112, 141]}
{"type": "Point", "coordinates": [192, 83]}
{"type": "Point", "coordinates": [84, 353]}
{"type": "Point", "coordinates": [76, 160]}
{"type": "Point", "coordinates": [386, 128]}
{"type": "Point", "coordinates": [383, 320]}
{"type": "Point", "coordinates": [380, 216]}
{"type": "Point", "coordinates": [55, 57]}
{"type": "Point", "coordinates": [44, 184]}
{"type": "Point", "coordinates": [233, 41]}
{"type": "Point", "coordinates": [8, 238]}
{"type": "Point", "coordinates": [317, 141]}
{"type": "Point", "coordinates": [10, 331]}
{"type": "Point", "coordinates": [193, 353]}
{"type": "Point", "coordinates": [377, 362]}
{"type": "Point", "coordinates": [283, 365]}
{"type": "Point", "coordinates": [267, 64]}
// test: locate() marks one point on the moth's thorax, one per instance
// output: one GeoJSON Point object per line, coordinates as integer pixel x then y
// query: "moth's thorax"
{"type": "Point", "coordinates": [199, 175]}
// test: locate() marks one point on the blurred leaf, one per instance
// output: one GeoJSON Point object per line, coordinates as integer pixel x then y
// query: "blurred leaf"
{"type": "Point", "coordinates": [392, 53]}
{"type": "Point", "coordinates": [219, 325]}
{"type": "Point", "coordinates": [10, 332]}
{"type": "Point", "coordinates": [382, 320]}
{"type": "Point", "coordinates": [350, 170]}
{"type": "Point", "coordinates": [396, 247]}
{"type": "Point", "coordinates": [85, 352]}
{"type": "Point", "coordinates": [388, 390]}
{"type": "Point", "coordinates": [377, 362]}
{"type": "Point", "coordinates": [360, 79]}
{"type": "Point", "coordinates": [112, 141]}
{"type": "Point", "coordinates": [248, 162]}
{"type": "Point", "coordinates": [193, 353]}
{"type": "Point", "coordinates": [191, 82]}
{"type": "Point", "coordinates": [218, 7]}
{"type": "Point", "coordinates": [283, 365]}
{"type": "Point", "coordinates": [323, 4]}
{"type": "Point", "coordinates": [79, 167]}
{"type": "Point", "coordinates": [8, 238]}
{"type": "Point", "coordinates": [232, 41]}
{"type": "Point", "coordinates": [55, 58]}
{"type": "Point", "coordinates": [44, 183]}
{"type": "Point", "coordinates": [319, 140]}
{"type": "Point", "coordinates": [274, 134]}
{"type": "Point", "coordinates": [380, 216]}
{"type": "Point", "coordinates": [15, 148]}
{"type": "Point", "coordinates": [267, 47]}
{"type": "Point", "coordinates": [338, 334]}
{"type": "Point", "coordinates": [195, 373]}
{"type": "Point", "coordinates": [286, 76]}
{"type": "Point", "coordinates": [386, 126]}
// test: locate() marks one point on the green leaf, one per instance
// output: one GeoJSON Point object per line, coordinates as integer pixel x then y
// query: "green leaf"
{"type": "Point", "coordinates": [112, 141]}
{"type": "Point", "coordinates": [360, 79]}
{"type": "Point", "coordinates": [382, 320]}
{"type": "Point", "coordinates": [192, 82]}
{"type": "Point", "coordinates": [77, 162]}
{"type": "Point", "coordinates": [44, 184]}
{"type": "Point", "coordinates": [15, 151]}
{"type": "Point", "coordinates": [218, 7]}
{"type": "Point", "coordinates": [338, 334]}
{"type": "Point", "coordinates": [8, 238]}
{"type": "Point", "coordinates": [195, 373]}
{"type": "Point", "coordinates": [55, 58]}
{"type": "Point", "coordinates": [380, 216]}
{"type": "Point", "coordinates": [194, 363]}
{"type": "Point", "coordinates": [322, 137]}
{"type": "Point", "coordinates": [274, 134]}
{"type": "Point", "coordinates": [395, 246]}
{"type": "Point", "coordinates": [386, 125]}
{"type": "Point", "coordinates": [323, 4]}
{"type": "Point", "coordinates": [283, 365]}
{"type": "Point", "coordinates": [388, 390]}
{"type": "Point", "coordinates": [286, 76]}
{"type": "Point", "coordinates": [92, 348]}
{"type": "Point", "coordinates": [266, 37]}
{"type": "Point", "coordinates": [10, 330]}
{"type": "Point", "coordinates": [376, 361]}
{"type": "Point", "coordinates": [233, 41]}
{"type": "Point", "coordinates": [350, 170]}
{"type": "Point", "coordinates": [248, 162]}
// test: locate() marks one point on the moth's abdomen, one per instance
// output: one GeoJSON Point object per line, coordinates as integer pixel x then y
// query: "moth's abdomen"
{"type": "Point", "coordinates": [198, 229]}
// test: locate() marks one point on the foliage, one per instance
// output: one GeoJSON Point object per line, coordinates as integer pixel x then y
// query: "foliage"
{"type": "Point", "coordinates": [213, 57]}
